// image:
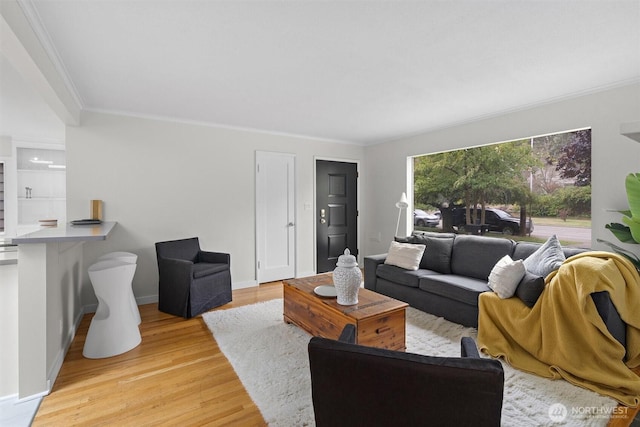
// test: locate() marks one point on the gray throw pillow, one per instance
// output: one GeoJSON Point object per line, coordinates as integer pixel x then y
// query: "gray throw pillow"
{"type": "Point", "coordinates": [530, 288]}
{"type": "Point", "coordinates": [546, 259]}
{"type": "Point", "coordinates": [437, 255]}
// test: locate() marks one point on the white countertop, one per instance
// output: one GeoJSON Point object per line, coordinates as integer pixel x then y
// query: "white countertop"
{"type": "Point", "coordinates": [67, 233]}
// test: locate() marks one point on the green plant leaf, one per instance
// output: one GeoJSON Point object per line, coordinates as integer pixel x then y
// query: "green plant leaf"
{"type": "Point", "coordinates": [625, 213]}
{"type": "Point", "coordinates": [621, 232]}
{"type": "Point", "coordinates": [632, 185]}
{"type": "Point", "coordinates": [625, 253]}
{"type": "Point", "coordinates": [634, 227]}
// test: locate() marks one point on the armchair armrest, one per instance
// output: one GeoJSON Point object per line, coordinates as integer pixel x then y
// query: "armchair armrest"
{"type": "Point", "coordinates": [174, 263]}
{"type": "Point", "coordinates": [370, 266]}
{"type": "Point", "coordinates": [348, 334]}
{"type": "Point", "coordinates": [214, 257]}
{"type": "Point", "coordinates": [174, 282]}
{"type": "Point", "coordinates": [468, 348]}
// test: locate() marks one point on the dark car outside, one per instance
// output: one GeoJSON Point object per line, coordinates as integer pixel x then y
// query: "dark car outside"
{"type": "Point", "coordinates": [424, 219]}
{"type": "Point", "coordinates": [496, 220]}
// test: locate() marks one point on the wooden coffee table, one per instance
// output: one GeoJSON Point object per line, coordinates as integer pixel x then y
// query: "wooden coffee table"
{"type": "Point", "coordinates": [379, 320]}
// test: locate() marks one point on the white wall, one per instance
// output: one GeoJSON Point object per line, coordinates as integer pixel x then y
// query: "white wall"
{"type": "Point", "coordinates": [162, 180]}
{"type": "Point", "coordinates": [613, 156]}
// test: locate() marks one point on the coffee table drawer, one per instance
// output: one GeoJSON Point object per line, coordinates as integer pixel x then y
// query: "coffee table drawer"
{"type": "Point", "coordinates": [385, 331]}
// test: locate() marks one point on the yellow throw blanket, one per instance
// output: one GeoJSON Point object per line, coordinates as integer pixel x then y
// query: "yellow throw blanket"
{"type": "Point", "coordinates": [563, 336]}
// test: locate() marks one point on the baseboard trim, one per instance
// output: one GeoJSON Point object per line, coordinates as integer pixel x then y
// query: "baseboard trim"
{"type": "Point", "coordinates": [305, 274]}
{"type": "Point", "coordinates": [242, 285]}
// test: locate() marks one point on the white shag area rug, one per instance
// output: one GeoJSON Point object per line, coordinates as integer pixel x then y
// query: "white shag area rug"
{"type": "Point", "coordinates": [271, 359]}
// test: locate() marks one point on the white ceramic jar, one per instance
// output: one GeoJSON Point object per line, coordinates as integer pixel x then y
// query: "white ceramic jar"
{"type": "Point", "coordinates": [347, 279]}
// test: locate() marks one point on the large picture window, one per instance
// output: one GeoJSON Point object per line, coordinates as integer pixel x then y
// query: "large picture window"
{"type": "Point", "coordinates": [531, 188]}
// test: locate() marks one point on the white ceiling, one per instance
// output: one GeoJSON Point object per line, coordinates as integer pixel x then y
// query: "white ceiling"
{"type": "Point", "coordinates": [353, 71]}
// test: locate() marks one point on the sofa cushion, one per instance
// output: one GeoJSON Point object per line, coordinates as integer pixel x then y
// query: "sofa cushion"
{"type": "Point", "coordinates": [401, 276]}
{"type": "Point", "coordinates": [458, 288]}
{"type": "Point", "coordinates": [505, 276]}
{"type": "Point", "coordinates": [546, 258]}
{"type": "Point", "coordinates": [530, 288]}
{"type": "Point", "coordinates": [437, 254]}
{"type": "Point", "coordinates": [405, 255]}
{"type": "Point", "coordinates": [475, 256]}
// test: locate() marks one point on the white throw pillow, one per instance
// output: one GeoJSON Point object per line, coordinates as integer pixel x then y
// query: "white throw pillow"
{"type": "Point", "coordinates": [405, 255]}
{"type": "Point", "coordinates": [546, 258]}
{"type": "Point", "coordinates": [505, 276]}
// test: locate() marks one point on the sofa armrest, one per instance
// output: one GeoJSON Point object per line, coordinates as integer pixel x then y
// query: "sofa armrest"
{"type": "Point", "coordinates": [370, 266]}
{"type": "Point", "coordinates": [610, 316]}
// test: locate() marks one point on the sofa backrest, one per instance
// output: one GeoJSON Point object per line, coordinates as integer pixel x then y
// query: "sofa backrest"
{"type": "Point", "coordinates": [523, 249]}
{"type": "Point", "coordinates": [469, 255]}
{"type": "Point", "coordinates": [475, 256]}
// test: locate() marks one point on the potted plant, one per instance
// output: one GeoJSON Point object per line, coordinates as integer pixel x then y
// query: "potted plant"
{"type": "Point", "coordinates": [629, 232]}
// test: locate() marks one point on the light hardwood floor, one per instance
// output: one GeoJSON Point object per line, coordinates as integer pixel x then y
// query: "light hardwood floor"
{"type": "Point", "coordinates": [176, 376]}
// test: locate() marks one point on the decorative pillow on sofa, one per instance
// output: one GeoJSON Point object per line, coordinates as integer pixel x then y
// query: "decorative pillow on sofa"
{"type": "Point", "coordinates": [546, 258]}
{"type": "Point", "coordinates": [505, 276]}
{"type": "Point", "coordinates": [405, 255]}
{"type": "Point", "coordinates": [437, 255]}
{"type": "Point", "coordinates": [530, 288]}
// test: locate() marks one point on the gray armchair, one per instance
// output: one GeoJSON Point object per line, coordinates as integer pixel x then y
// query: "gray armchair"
{"type": "Point", "coordinates": [191, 281]}
{"type": "Point", "coordinates": [354, 385]}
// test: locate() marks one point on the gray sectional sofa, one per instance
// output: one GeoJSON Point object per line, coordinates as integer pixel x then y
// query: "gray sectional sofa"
{"type": "Point", "coordinates": [454, 271]}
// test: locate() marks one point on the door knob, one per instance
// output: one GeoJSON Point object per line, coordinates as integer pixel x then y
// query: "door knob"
{"type": "Point", "coordinates": [322, 216]}
{"type": "Point", "coordinates": [290, 224]}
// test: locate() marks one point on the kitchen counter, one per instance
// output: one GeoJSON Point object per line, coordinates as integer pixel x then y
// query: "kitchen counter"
{"type": "Point", "coordinates": [50, 279]}
{"type": "Point", "coordinates": [67, 233]}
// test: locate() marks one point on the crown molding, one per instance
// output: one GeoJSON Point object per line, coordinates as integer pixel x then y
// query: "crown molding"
{"type": "Point", "coordinates": [216, 125]}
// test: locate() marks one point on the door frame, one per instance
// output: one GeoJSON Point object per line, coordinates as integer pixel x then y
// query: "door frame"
{"type": "Point", "coordinates": [315, 207]}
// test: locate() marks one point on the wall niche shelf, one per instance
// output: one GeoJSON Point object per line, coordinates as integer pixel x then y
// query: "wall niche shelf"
{"type": "Point", "coordinates": [41, 185]}
{"type": "Point", "coordinates": [631, 130]}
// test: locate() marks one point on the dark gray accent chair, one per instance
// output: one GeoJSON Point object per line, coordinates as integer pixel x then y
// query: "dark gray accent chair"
{"type": "Point", "coordinates": [192, 281]}
{"type": "Point", "coordinates": [354, 385]}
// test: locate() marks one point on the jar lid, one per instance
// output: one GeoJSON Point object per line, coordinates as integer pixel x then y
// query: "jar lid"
{"type": "Point", "coordinates": [347, 260]}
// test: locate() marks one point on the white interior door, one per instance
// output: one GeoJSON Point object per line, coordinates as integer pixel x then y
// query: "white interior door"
{"type": "Point", "coordinates": [275, 216]}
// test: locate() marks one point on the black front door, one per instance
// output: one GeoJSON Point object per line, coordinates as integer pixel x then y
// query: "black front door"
{"type": "Point", "coordinates": [336, 212]}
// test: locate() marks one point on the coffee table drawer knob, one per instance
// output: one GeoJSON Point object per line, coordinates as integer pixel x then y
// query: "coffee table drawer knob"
{"type": "Point", "coordinates": [383, 330]}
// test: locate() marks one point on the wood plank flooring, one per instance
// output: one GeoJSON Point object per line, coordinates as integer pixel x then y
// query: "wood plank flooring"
{"type": "Point", "coordinates": [176, 376]}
